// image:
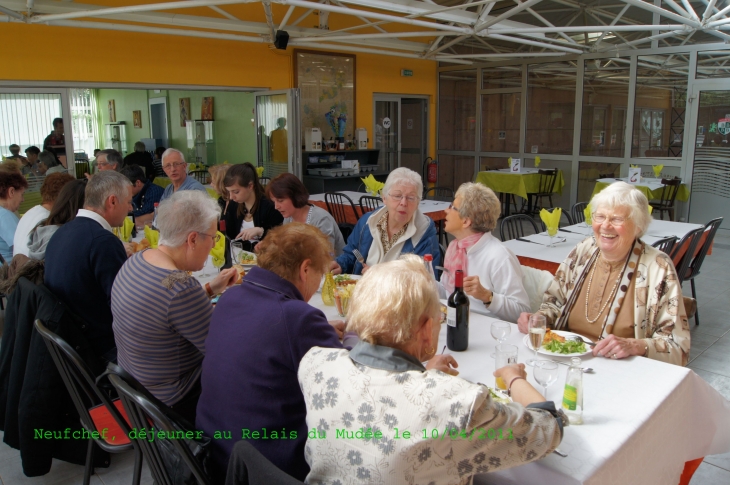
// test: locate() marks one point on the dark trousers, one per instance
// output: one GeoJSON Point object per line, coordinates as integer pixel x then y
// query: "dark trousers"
{"type": "Point", "coordinates": [248, 466]}
{"type": "Point", "coordinates": [186, 406]}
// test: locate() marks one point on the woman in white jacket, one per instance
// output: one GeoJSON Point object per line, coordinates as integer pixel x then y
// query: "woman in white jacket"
{"type": "Point", "coordinates": [493, 277]}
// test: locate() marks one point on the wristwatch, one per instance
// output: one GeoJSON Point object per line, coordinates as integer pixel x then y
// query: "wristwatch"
{"type": "Point", "coordinates": [489, 302]}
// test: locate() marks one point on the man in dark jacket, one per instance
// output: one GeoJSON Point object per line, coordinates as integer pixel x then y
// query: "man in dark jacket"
{"type": "Point", "coordinates": [142, 158]}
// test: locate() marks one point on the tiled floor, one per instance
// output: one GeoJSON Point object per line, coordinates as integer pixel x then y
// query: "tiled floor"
{"type": "Point", "coordinates": [710, 358]}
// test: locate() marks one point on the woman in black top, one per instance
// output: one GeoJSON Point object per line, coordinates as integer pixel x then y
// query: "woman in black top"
{"type": "Point", "coordinates": [255, 214]}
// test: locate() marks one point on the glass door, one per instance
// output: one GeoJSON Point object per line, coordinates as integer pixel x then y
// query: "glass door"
{"type": "Point", "coordinates": [710, 128]}
{"type": "Point", "coordinates": [278, 136]}
{"type": "Point", "coordinates": [386, 130]}
{"type": "Point", "coordinates": [401, 131]}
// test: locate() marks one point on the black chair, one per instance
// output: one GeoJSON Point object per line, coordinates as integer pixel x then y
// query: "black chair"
{"type": "Point", "coordinates": [144, 413]}
{"type": "Point", "coordinates": [545, 189]}
{"type": "Point", "coordinates": [93, 404]}
{"type": "Point", "coordinates": [606, 175]}
{"type": "Point", "coordinates": [512, 227]}
{"type": "Point", "coordinates": [264, 180]}
{"type": "Point", "coordinates": [696, 264]}
{"type": "Point", "coordinates": [361, 188]}
{"type": "Point", "coordinates": [442, 194]}
{"type": "Point", "coordinates": [683, 252]}
{"type": "Point", "coordinates": [337, 206]}
{"type": "Point", "coordinates": [577, 212]}
{"type": "Point", "coordinates": [439, 269]}
{"type": "Point", "coordinates": [247, 466]}
{"type": "Point", "coordinates": [666, 201]}
{"type": "Point", "coordinates": [666, 245]}
{"type": "Point", "coordinates": [201, 176]}
{"type": "Point", "coordinates": [369, 203]}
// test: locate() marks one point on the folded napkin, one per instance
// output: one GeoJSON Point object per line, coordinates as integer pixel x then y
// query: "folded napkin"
{"type": "Point", "coordinates": [551, 219]}
{"type": "Point", "coordinates": [260, 171]}
{"type": "Point", "coordinates": [125, 231]}
{"type": "Point", "coordinates": [537, 161]}
{"type": "Point", "coordinates": [372, 185]}
{"type": "Point", "coordinates": [651, 209]}
{"type": "Point", "coordinates": [152, 236]}
{"type": "Point", "coordinates": [633, 166]}
{"type": "Point", "coordinates": [657, 170]}
{"type": "Point", "coordinates": [219, 251]}
{"type": "Point", "coordinates": [588, 214]}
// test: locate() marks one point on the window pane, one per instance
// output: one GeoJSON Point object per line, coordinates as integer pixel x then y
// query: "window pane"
{"type": "Point", "coordinates": [502, 77]}
{"type": "Point", "coordinates": [493, 163]}
{"type": "Point", "coordinates": [550, 108]}
{"type": "Point", "coordinates": [713, 65]}
{"type": "Point", "coordinates": [605, 97]}
{"type": "Point", "coordinates": [589, 172]}
{"type": "Point", "coordinates": [661, 101]}
{"type": "Point", "coordinates": [455, 170]}
{"type": "Point", "coordinates": [501, 122]}
{"type": "Point", "coordinates": [457, 110]}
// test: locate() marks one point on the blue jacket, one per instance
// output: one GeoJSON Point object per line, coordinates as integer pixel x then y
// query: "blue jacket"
{"type": "Point", "coordinates": [424, 241]}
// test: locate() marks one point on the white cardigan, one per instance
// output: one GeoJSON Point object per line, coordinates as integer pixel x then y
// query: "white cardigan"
{"type": "Point", "coordinates": [499, 271]}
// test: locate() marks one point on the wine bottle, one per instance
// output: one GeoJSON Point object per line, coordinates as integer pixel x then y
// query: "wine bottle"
{"type": "Point", "coordinates": [457, 318]}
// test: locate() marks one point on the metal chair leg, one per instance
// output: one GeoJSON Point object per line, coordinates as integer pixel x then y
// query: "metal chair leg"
{"type": "Point", "coordinates": [89, 469]}
{"type": "Point", "coordinates": [694, 295]}
{"type": "Point", "coordinates": [137, 466]}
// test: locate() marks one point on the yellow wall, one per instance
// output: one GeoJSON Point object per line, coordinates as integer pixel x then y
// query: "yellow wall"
{"type": "Point", "coordinates": [46, 53]}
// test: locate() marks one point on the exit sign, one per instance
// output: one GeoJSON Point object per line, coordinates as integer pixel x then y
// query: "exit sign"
{"type": "Point", "coordinates": [406, 73]}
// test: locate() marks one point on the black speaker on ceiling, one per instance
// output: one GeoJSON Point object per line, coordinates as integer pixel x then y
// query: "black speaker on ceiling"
{"type": "Point", "coordinates": [281, 40]}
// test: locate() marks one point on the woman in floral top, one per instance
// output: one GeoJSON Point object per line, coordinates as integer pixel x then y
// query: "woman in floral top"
{"type": "Point", "coordinates": [367, 408]}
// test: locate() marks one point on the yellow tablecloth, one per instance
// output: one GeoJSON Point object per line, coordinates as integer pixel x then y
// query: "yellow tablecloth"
{"type": "Point", "coordinates": [517, 183]}
{"type": "Point", "coordinates": [162, 181]}
{"type": "Point", "coordinates": [682, 194]}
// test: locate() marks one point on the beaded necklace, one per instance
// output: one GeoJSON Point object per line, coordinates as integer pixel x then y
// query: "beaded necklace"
{"type": "Point", "coordinates": [610, 295]}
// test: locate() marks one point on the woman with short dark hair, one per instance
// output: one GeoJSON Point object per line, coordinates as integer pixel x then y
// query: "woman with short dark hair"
{"type": "Point", "coordinates": [291, 198]}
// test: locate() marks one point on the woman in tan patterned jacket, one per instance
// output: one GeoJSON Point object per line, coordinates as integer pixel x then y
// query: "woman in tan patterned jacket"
{"type": "Point", "coordinates": [616, 289]}
{"type": "Point", "coordinates": [369, 409]}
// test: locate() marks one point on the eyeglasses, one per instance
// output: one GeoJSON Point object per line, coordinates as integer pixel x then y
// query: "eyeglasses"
{"type": "Point", "coordinates": [216, 237]}
{"type": "Point", "coordinates": [173, 165]}
{"type": "Point", "coordinates": [410, 199]}
{"type": "Point", "coordinates": [453, 207]}
{"type": "Point", "coordinates": [614, 221]}
{"type": "Point", "coordinates": [103, 164]}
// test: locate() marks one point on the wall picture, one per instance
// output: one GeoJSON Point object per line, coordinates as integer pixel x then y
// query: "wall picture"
{"type": "Point", "coordinates": [137, 118]}
{"type": "Point", "coordinates": [206, 109]}
{"type": "Point", "coordinates": [112, 111]}
{"type": "Point", "coordinates": [184, 111]}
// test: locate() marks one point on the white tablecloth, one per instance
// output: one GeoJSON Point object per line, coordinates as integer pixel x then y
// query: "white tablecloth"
{"type": "Point", "coordinates": [643, 419]}
{"type": "Point", "coordinates": [652, 183]}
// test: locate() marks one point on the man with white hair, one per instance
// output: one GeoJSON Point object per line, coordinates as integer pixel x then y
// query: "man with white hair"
{"type": "Point", "coordinates": [140, 156]}
{"type": "Point", "coordinates": [173, 163]}
{"type": "Point", "coordinates": [83, 257]}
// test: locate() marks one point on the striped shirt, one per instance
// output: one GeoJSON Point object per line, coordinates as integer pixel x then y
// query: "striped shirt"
{"type": "Point", "coordinates": [161, 320]}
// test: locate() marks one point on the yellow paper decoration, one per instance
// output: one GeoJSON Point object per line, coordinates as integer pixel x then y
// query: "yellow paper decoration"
{"type": "Point", "coordinates": [634, 166]}
{"type": "Point", "coordinates": [657, 170]}
{"type": "Point", "coordinates": [372, 185]}
{"type": "Point", "coordinates": [537, 161]}
{"type": "Point", "coordinates": [219, 251]}
{"type": "Point", "coordinates": [152, 236]}
{"type": "Point", "coordinates": [551, 219]}
{"type": "Point", "coordinates": [509, 161]}
{"type": "Point", "coordinates": [260, 171]}
{"type": "Point", "coordinates": [651, 209]}
{"type": "Point", "coordinates": [124, 233]}
{"type": "Point", "coordinates": [588, 214]}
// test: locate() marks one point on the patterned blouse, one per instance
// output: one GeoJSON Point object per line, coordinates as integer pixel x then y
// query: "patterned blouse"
{"type": "Point", "coordinates": [376, 415]}
{"type": "Point", "coordinates": [383, 229]}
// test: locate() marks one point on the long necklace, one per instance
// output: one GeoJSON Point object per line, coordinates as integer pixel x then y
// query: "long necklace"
{"type": "Point", "coordinates": [610, 295]}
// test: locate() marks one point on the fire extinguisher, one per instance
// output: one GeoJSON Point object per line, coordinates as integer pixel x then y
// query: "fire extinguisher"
{"type": "Point", "coordinates": [432, 170]}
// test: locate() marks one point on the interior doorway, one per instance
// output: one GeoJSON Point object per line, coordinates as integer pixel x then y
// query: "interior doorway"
{"type": "Point", "coordinates": [158, 121]}
{"type": "Point", "coordinates": [401, 130]}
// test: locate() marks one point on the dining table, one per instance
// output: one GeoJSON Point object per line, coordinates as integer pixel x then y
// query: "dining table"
{"type": "Point", "coordinates": [434, 209]}
{"type": "Point", "coordinates": [522, 183]}
{"type": "Point", "coordinates": [533, 250]}
{"type": "Point", "coordinates": [642, 419]}
{"type": "Point", "coordinates": [650, 187]}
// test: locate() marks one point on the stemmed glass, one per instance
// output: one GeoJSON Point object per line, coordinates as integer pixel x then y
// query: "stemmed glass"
{"type": "Point", "coordinates": [552, 232]}
{"type": "Point", "coordinates": [536, 330]}
{"type": "Point", "coordinates": [546, 373]}
{"type": "Point", "coordinates": [500, 331]}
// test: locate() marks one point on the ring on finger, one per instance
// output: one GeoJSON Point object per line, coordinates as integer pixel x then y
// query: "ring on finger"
{"type": "Point", "coordinates": [613, 356]}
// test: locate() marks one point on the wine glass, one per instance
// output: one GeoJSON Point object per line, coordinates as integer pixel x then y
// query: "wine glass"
{"type": "Point", "coordinates": [536, 330]}
{"type": "Point", "coordinates": [500, 331]}
{"type": "Point", "coordinates": [546, 373]}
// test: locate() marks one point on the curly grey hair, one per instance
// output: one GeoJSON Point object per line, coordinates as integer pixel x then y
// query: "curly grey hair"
{"type": "Point", "coordinates": [621, 194]}
{"type": "Point", "coordinates": [184, 212]}
{"type": "Point", "coordinates": [480, 205]}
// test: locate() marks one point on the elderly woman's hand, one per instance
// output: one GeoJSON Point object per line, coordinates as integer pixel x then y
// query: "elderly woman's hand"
{"type": "Point", "coordinates": [523, 321]}
{"type": "Point", "coordinates": [365, 267]}
{"type": "Point", "coordinates": [474, 288]}
{"type": "Point", "coordinates": [225, 278]}
{"type": "Point", "coordinates": [512, 371]}
{"type": "Point", "coordinates": [613, 347]}
{"type": "Point", "coordinates": [445, 363]}
{"type": "Point", "coordinates": [250, 233]}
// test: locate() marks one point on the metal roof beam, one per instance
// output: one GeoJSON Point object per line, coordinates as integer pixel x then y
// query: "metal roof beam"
{"type": "Point", "coordinates": [664, 12]}
{"type": "Point", "coordinates": [12, 13]}
{"type": "Point", "coordinates": [506, 15]}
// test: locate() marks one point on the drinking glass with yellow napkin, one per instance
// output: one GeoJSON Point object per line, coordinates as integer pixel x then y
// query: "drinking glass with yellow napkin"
{"type": "Point", "coordinates": [657, 170]}
{"type": "Point", "coordinates": [219, 251]}
{"type": "Point", "coordinates": [537, 162]}
{"type": "Point", "coordinates": [588, 215]}
{"type": "Point", "coordinates": [552, 222]}
{"type": "Point", "coordinates": [124, 232]}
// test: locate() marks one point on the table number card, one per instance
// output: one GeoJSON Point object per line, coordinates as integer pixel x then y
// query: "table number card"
{"type": "Point", "coordinates": [515, 165]}
{"type": "Point", "coordinates": [634, 175]}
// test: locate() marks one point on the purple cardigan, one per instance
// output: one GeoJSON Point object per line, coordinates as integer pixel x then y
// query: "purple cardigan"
{"type": "Point", "coordinates": [258, 334]}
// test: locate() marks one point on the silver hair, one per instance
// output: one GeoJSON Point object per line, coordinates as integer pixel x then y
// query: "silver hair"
{"type": "Point", "coordinates": [140, 147]}
{"type": "Point", "coordinates": [480, 204]}
{"type": "Point", "coordinates": [185, 212]}
{"type": "Point", "coordinates": [102, 186]}
{"type": "Point", "coordinates": [113, 157]}
{"type": "Point", "coordinates": [48, 159]}
{"type": "Point", "coordinates": [169, 152]}
{"type": "Point", "coordinates": [404, 176]}
{"type": "Point", "coordinates": [621, 194]}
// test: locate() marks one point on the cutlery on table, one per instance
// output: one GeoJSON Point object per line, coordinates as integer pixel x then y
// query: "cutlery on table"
{"type": "Point", "coordinates": [527, 240]}
{"type": "Point", "coordinates": [586, 370]}
{"type": "Point", "coordinates": [576, 338]}
{"type": "Point", "coordinates": [560, 453]}
{"type": "Point", "coordinates": [358, 256]}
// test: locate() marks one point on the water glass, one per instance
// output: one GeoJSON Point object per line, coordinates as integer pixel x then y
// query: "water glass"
{"type": "Point", "coordinates": [500, 331]}
{"type": "Point", "coordinates": [505, 355]}
{"type": "Point", "coordinates": [546, 373]}
{"type": "Point", "coordinates": [537, 326]}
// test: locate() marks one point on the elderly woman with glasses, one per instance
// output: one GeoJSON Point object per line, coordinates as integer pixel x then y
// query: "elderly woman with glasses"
{"type": "Point", "coordinates": [493, 276]}
{"type": "Point", "coordinates": [617, 290]}
{"type": "Point", "coordinates": [397, 228]}
{"type": "Point", "coordinates": [361, 404]}
{"type": "Point", "coordinates": [161, 313]}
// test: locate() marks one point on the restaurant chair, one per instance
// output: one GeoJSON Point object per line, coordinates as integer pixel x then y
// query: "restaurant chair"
{"type": "Point", "coordinates": [442, 194]}
{"type": "Point", "coordinates": [369, 203]}
{"type": "Point", "coordinates": [577, 212]}
{"type": "Point", "coordinates": [201, 176]}
{"type": "Point", "coordinates": [264, 180]}
{"type": "Point", "coordinates": [665, 245]}
{"type": "Point", "coordinates": [696, 264]}
{"type": "Point", "coordinates": [337, 204]}
{"type": "Point", "coordinates": [438, 270]}
{"type": "Point", "coordinates": [247, 466]}
{"type": "Point", "coordinates": [96, 409]}
{"type": "Point", "coordinates": [513, 227]}
{"type": "Point", "coordinates": [683, 252]}
{"type": "Point", "coordinates": [666, 201]}
{"type": "Point", "coordinates": [545, 189]}
{"type": "Point", "coordinates": [144, 413]}
{"type": "Point", "coordinates": [361, 188]}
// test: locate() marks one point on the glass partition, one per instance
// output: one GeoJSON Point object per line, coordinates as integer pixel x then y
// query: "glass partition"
{"type": "Point", "coordinates": [550, 108]}
{"type": "Point", "coordinates": [457, 110]}
{"type": "Point", "coordinates": [501, 122]}
{"type": "Point", "coordinates": [455, 170]}
{"type": "Point", "coordinates": [502, 77]}
{"type": "Point", "coordinates": [493, 163]}
{"type": "Point", "coordinates": [713, 65]}
{"type": "Point", "coordinates": [589, 172]}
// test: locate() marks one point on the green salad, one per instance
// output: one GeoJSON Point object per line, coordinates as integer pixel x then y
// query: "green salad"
{"type": "Point", "coordinates": [567, 347]}
{"type": "Point", "coordinates": [499, 397]}
{"type": "Point", "coordinates": [342, 277]}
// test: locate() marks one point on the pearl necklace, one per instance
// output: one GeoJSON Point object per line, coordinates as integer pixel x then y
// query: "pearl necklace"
{"type": "Point", "coordinates": [610, 295]}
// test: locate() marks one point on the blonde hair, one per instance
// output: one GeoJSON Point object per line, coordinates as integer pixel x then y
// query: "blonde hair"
{"type": "Point", "coordinates": [480, 204]}
{"type": "Point", "coordinates": [286, 247]}
{"type": "Point", "coordinates": [621, 194]}
{"type": "Point", "coordinates": [390, 299]}
{"type": "Point", "coordinates": [217, 174]}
